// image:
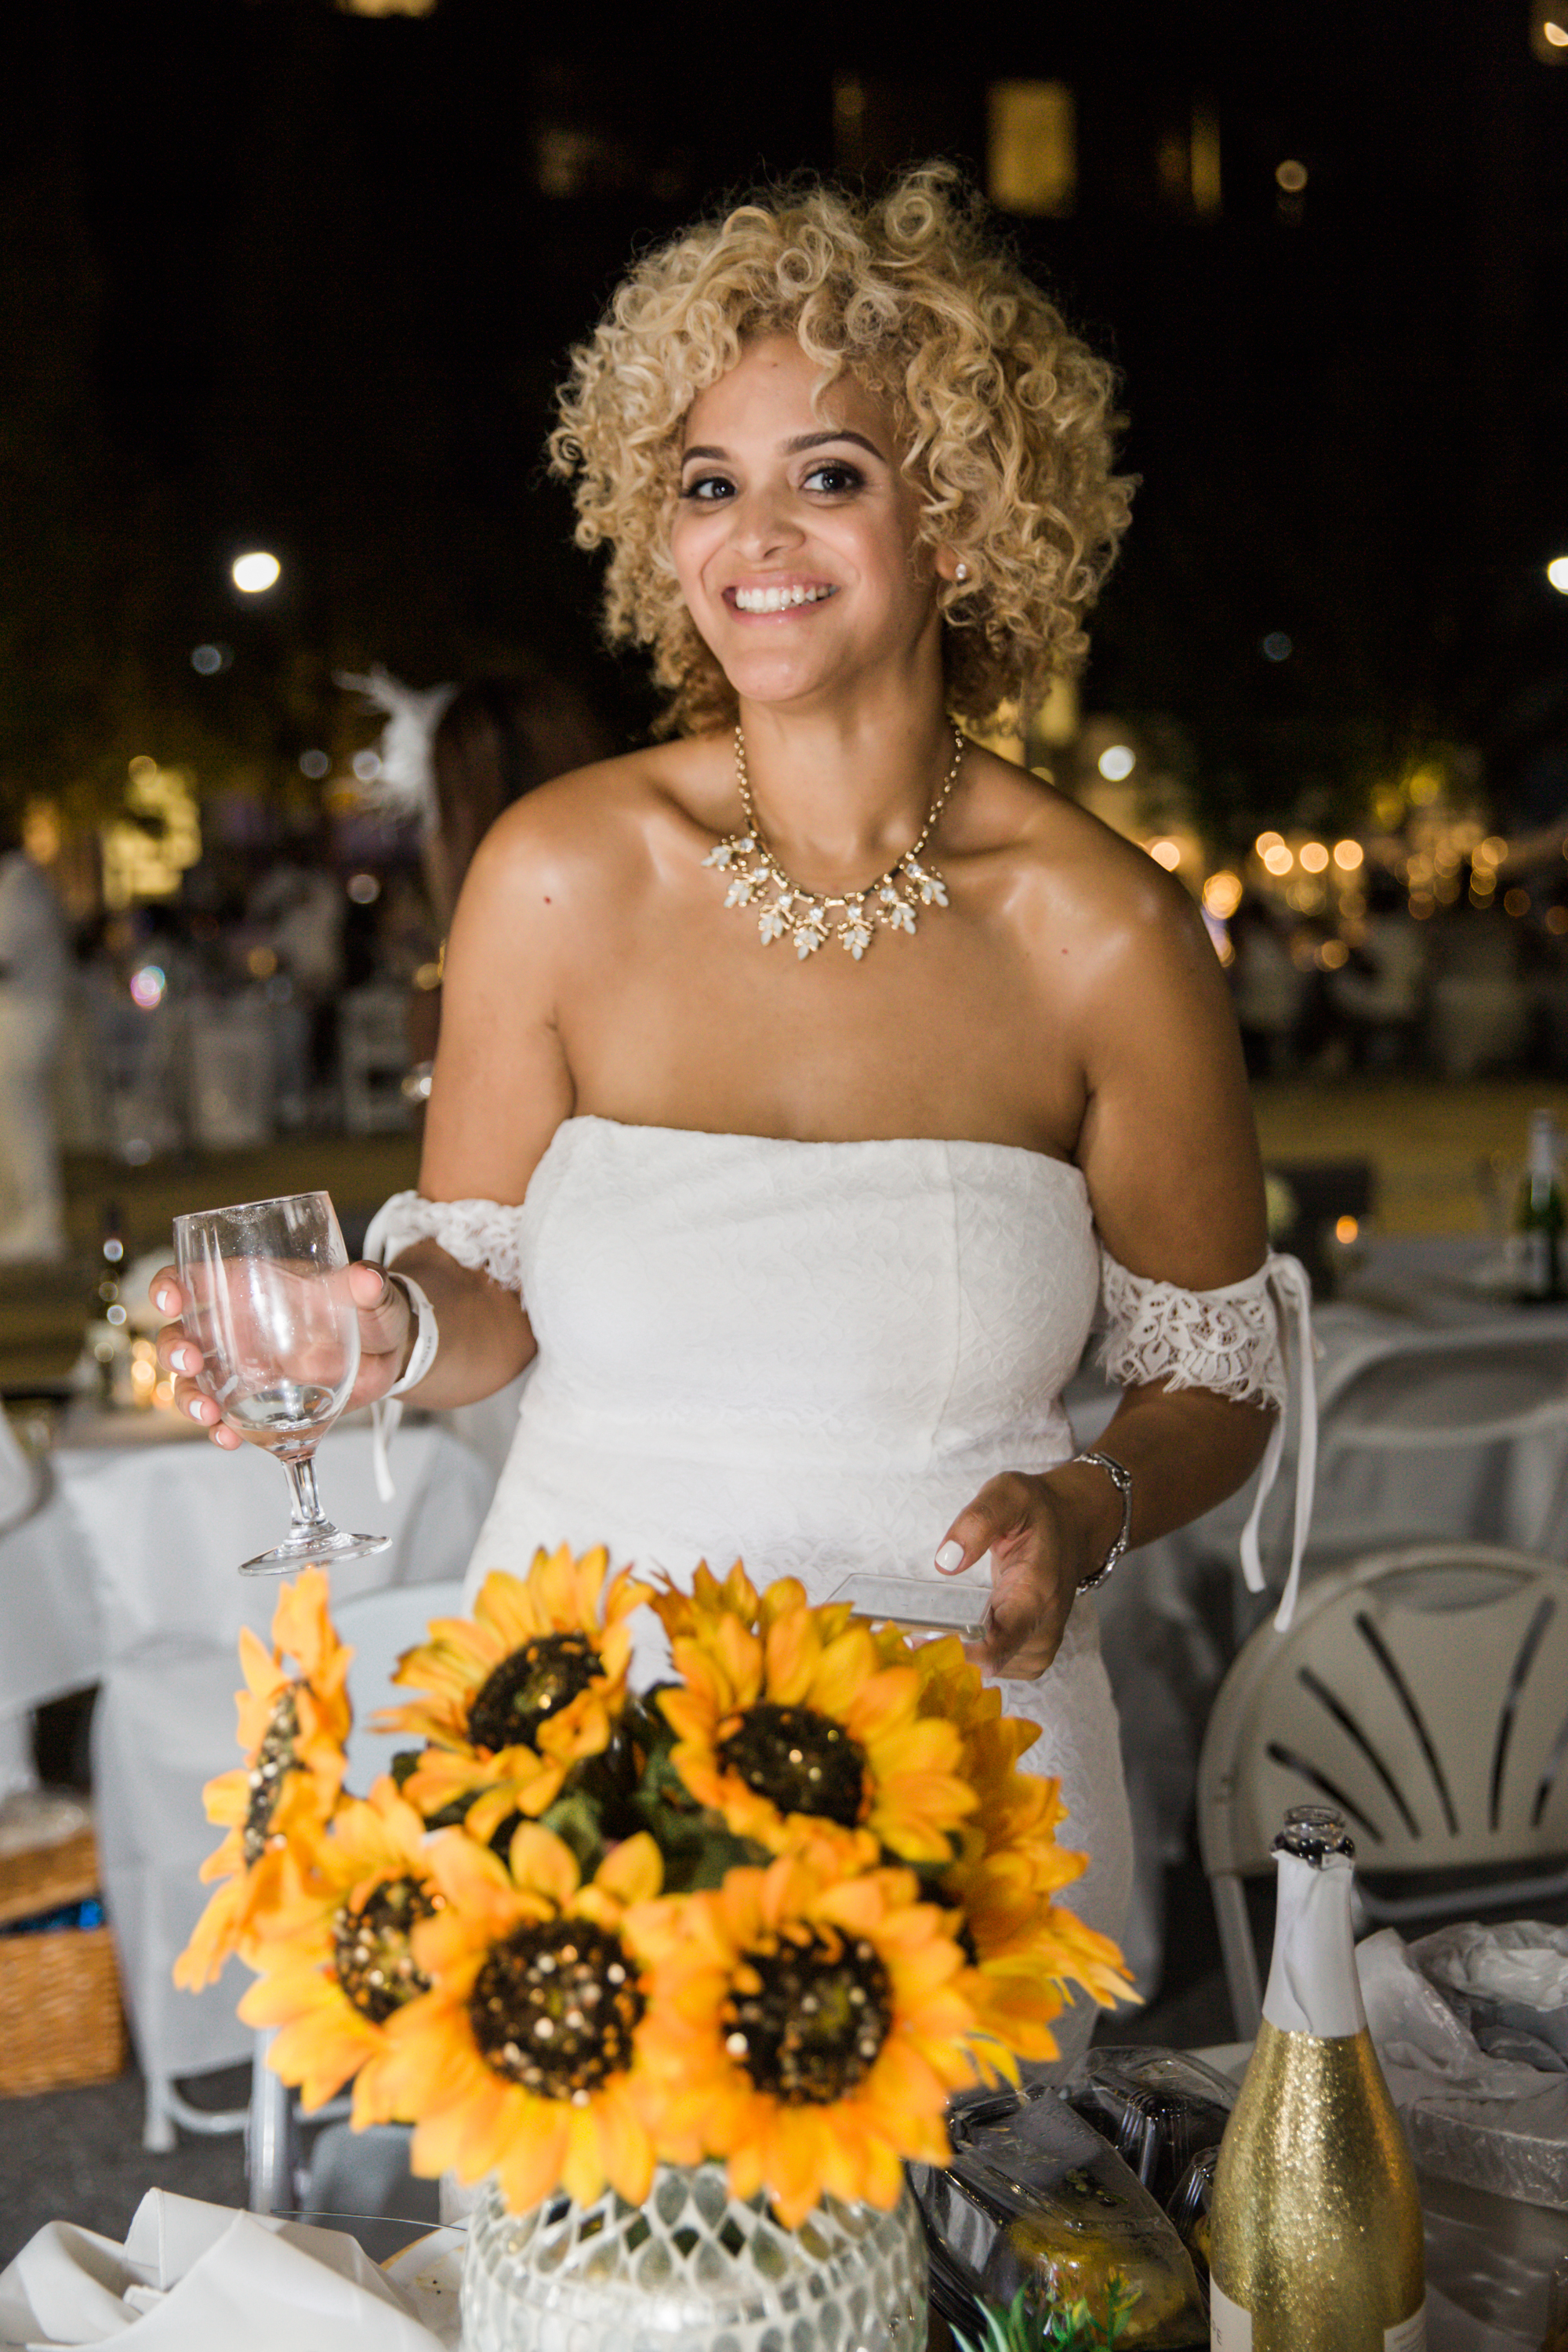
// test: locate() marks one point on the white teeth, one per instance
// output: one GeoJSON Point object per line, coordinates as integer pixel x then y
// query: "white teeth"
{"type": "Point", "coordinates": [777, 600]}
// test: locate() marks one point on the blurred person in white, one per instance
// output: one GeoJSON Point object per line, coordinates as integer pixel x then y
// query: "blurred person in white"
{"type": "Point", "coordinates": [1382, 991]}
{"type": "Point", "coordinates": [34, 974]}
{"type": "Point", "coordinates": [1269, 987]}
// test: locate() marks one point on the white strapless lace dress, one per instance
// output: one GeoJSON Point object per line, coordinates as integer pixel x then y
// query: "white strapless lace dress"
{"type": "Point", "coordinates": [808, 1356]}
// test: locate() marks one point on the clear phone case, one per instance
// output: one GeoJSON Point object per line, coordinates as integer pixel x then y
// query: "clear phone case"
{"type": "Point", "coordinates": [923, 1605]}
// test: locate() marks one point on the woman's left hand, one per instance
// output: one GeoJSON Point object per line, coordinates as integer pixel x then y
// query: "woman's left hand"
{"type": "Point", "coordinates": [1042, 1547]}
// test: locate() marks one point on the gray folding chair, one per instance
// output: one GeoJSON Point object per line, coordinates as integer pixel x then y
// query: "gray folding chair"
{"type": "Point", "coordinates": [1423, 1694]}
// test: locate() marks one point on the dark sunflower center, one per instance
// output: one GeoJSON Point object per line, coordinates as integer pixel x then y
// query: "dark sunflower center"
{"type": "Point", "coordinates": [371, 1952]}
{"type": "Point", "coordinates": [807, 2021]}
{"type": "Point", "coordinates": [554, 2007]}
{"type": "Point", "coordinates": [802, 1763]}
{"type": "Point", "coordinates": [273, 1759]}
{"type": "Point", "coordinates": [537, 1681]}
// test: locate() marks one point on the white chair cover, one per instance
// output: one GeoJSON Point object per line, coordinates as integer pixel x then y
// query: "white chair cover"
{"type": "Point", "coordinates": [165, 1533]}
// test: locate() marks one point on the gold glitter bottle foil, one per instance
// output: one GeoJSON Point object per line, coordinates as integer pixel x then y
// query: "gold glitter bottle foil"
{"type": "Point", "coordinates": [1316, 2237]}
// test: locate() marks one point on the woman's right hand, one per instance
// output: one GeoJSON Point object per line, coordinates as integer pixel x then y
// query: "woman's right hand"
{"type": "Point", "coordinates": [385, 1340]}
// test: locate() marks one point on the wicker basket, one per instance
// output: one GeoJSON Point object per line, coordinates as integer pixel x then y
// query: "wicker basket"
{"type": "Point", "coordinates": [60, 2021]}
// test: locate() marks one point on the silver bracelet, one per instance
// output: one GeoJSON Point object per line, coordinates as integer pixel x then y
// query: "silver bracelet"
{"type": "Point", "coordinates": [1122, 1479]}
{"type": "Point", "coordinates": [426, 1335]}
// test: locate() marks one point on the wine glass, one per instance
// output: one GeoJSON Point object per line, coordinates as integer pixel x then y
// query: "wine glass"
{"type": "Point", "coordinates": [267, 1300]}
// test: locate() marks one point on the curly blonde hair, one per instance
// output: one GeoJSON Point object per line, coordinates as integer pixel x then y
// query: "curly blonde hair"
{"type": "Point", "coordinates": [1004, 416]}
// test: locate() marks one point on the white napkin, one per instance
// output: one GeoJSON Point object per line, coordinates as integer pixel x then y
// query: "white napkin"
{"type": "Point", "coordinates": [191, 2277]}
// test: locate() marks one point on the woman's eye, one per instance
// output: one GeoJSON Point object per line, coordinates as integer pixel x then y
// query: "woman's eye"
{"type": "Point", "coordinates": [835, 479]}
{"type": "Point", "coordinates": [706, 488]}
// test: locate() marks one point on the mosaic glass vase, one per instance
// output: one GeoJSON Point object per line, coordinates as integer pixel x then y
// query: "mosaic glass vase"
{"type": "Point", "coordinates": [693, 2268]}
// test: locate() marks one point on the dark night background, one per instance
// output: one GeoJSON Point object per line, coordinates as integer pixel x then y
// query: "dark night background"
{"type": "Point", "coordinates": [279, 275]}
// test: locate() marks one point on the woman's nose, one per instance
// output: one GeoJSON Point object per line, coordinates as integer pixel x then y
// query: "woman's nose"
{"type": "Point", "coordinates": [764, 522]}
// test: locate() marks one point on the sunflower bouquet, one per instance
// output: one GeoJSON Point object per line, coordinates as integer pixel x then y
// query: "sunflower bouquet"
{"type": "Point", "coordinates": [774, 1911]}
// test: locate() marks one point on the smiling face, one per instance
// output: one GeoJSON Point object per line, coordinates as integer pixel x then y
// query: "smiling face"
{"type": "Point", "coordinates": [796, 536]}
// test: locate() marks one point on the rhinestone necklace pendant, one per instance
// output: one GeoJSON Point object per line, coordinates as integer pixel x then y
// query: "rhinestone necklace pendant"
{"type": "Point", "coordinates": [892, 903]}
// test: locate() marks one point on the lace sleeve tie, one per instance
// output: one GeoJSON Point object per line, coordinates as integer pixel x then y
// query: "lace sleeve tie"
{"type": "Point", "coordinates": [1233, 1341]}
{"type": "Point", "coordinates": [481, 1234]}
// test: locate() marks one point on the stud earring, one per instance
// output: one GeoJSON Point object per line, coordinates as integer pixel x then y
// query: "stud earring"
{"type": "Point", "coordinates": [961, 573]}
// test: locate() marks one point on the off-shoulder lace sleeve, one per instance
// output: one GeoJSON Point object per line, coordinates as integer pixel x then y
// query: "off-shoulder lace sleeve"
{"type": "Point", "coordinates": [1227, 1340]}
{"type": "Point", "coordinates": [482, 1235]}
{"type": "Point", "coordinates": [1232, 1341]}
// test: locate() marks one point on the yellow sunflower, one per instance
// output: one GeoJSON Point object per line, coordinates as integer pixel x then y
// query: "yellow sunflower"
{"type": "Point", "coordinates": [527, 1688]}
{"type": "Point", "coordinates": [793, 1729]}
{"type": "Point", "coordinates": [808, 2029]}
{"type": "Point", "coordinates": [685, 1613]}
{"type": "Point", "coordinates": [292, 1727]}
{"type": "Point", "coordinates": [336, 1959]}
{"type": "Point", "coordinates": [525, 2056]}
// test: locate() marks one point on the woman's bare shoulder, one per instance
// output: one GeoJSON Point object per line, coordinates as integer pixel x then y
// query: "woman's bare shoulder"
{"type": "Point", "coordinates": [1066, 874]}
{"type": "Point", "coordinates": [603, 819]}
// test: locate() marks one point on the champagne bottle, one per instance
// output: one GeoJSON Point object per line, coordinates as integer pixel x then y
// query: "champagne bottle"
{"type": "Point", "coordinates": [1315, 2225]}
{"type": "Point", "coordinates": [1538, 1217]}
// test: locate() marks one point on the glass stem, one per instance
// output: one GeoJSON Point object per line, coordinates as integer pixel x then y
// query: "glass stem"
{"type": "Point", "coordinates": [306, 1517]}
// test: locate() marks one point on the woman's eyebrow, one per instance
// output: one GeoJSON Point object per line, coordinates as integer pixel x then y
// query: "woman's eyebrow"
{"type": "Point", "coordinates": [716, 457]}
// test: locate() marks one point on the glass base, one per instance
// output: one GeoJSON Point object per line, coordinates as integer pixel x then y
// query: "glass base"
{"type": "Point", "coordinates": [313, 1552]}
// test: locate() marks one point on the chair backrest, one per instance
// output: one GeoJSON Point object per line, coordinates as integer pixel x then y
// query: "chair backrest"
{"type": "Point", "coordinates": [379, 1627]}
{"type": "Point", "coordinates": [1422, 1694]}
{"type": "Point", "coordinates": [1445, 1389]}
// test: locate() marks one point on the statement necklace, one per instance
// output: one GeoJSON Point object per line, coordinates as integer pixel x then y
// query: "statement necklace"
{"type": "Point", "coordinates": [889, 903]}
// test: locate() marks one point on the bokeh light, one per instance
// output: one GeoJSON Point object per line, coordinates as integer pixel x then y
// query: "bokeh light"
{"type": "Point", "coordinates": [256, 571]}
{"type": "Point", "coordinates": [1278, 859]}
{"type": "Point", "coordinates": [148, 984]}
{"type": "Point", "coordinates": [1557, 573]}
{"type": "Point", "coordinates": [1221, 894]}
{"type": "Point", "coordinates": [1117, 761]}
{"type": "Point", "coordinates": [1314, 856]}
{"type": "Point", "coordinates": [1348, 855]}
{"type": "Point", "coordinates": [363, 889]}
{"type": "Point", "coordinates": [1166, 853]}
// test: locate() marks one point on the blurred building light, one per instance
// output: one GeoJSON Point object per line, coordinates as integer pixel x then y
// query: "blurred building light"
{"type": "Point", "coordinates": [142, 767]}
{"type": "Point", "coordinates": [1167, 854]}
{"type": "Point", "coordinates": [147, 986]}
{"type": "Point", "coordinates": [1333, 954]}
{"type": "Point", "coordinates": [1278, 860]}
{"type": "Point", "coordinates": [1549, 32]}
{"type": "Point", "coordinates": [367, 766]}
{"type": "Point", "coordinates": [1348, 855]}
{"type": "Point", "coordinates": [208, 660]}
{"type": "Point", "coordinates": [1117, 761]}
{"type": "Point", "coordinates": [1031, 148]}
{"type": "Point", "coordinates": [1557, 573]}
{"type": "Point", "coordinates": [1206, 179]}
{"type": "Point", "coordinates": [1492, 851]}
{"type": "Point", "coordinates": [1347, 1230]}
{"type": "Point", "coordinates": [261, 963]}
{"type": "Point", "coordinates": [254, 573]}
{"type": "Point", "coordinates": [1314, 856]}
{"type": "Point", "coordinates": [1221, 894]}
{"type": "Point", "coordinates": [1516, 902]}
{"type": "Point", "coordinates": [387, 8]}
{"type": "Point", "coordinates": [1421, 904]}
{"type": "Point", "coordinates": [363, 889]}
{"type": "Point", "coordinates": [1425, 787]}
{"type": "Point", "coordinates": [1291, 176]}
{"type": "Point", "coordinates": [314, 764]}
{"type": "Point", "coordinates": [1277, 646]}
{"type": "Point", "coordinates": [1556, 919]}
{"type": "Point", "coordinates": [1268, 841]}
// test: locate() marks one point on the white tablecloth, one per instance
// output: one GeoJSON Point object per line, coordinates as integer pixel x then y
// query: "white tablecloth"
{"type": "Point", "coordinates": [137, 1542]}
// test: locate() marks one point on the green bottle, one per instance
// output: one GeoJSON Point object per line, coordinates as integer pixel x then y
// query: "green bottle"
{"type": "Point", "coordinates": [1538, 1217]}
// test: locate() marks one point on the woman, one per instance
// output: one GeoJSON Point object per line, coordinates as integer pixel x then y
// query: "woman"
{"type": "Point", "coordinates": [794, 1071]}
